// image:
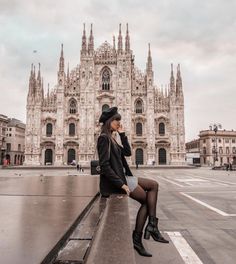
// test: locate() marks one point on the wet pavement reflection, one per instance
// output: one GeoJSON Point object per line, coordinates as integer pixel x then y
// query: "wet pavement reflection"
{"type": "Point", "coordinates": [37, 211]}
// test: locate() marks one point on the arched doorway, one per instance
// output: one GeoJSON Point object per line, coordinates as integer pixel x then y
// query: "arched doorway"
{"type": "Point", "coordinates": [70, 156]}
{"type": "Point", "coordinates": [8, 158]}
{"type": "Point", "coordinates": [48, 157]}
{"type": "Point", "coordinates": [139, 156]}
{"type": "Point", "coordinates": [21, 159]}
{"type": "Point", "coordinates": [162, 156]}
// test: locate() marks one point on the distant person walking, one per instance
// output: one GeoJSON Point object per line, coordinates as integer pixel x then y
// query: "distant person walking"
{"type": "Point", "coordinates": [116, 177]}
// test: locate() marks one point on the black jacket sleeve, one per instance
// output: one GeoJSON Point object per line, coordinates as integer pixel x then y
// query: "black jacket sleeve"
{"type": "Point", "coordinates": [104, 161]}
{"type": "Point", "coordinates": [126, 150]}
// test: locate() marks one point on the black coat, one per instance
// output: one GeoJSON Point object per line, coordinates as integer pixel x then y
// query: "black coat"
{"type": "Point", "coordinates": [113, 164]}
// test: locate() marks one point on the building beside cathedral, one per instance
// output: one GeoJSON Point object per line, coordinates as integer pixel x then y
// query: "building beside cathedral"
{"type": "Point", "coordinates": [62, 125]}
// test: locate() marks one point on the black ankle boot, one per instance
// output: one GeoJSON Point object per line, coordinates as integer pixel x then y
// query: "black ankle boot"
{"type": "Point", "coordinates": [152, 230]}
{"type": "Point", "coordinates": [138, 245]}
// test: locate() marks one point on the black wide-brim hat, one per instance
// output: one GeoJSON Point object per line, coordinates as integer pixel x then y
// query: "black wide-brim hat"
{"type": "Point", "coordinates": [107, 114]}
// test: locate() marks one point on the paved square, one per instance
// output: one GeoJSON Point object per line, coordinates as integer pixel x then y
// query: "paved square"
{"type": "Point", "coordinates": [196, 208]}
{"type": "Point", "coordinates": [197, 211]}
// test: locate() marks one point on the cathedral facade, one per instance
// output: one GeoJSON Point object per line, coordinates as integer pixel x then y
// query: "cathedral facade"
{"type": "Point", "coordinates": [62, 124]}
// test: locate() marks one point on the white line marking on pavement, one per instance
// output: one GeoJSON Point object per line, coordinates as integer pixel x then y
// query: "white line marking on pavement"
{"type": "Point", "coordinates": [213, 191]}
{"type": "Point", "coordinates": [218, 181]}
{"type": "Point", "coordinates": [184, 249]}
{"type": "Point", "coordinates": [191, 180]}
{"type": "Point", "coordinates": [171, 181]}
{"type": "Point", "coordinates": [207, 205]}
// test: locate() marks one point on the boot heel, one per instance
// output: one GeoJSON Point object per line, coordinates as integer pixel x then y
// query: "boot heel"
{"type": "Point", "coordinates": [147, 235]}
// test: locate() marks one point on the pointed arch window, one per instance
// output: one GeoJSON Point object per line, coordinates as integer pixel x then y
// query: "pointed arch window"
{"type": "Point", "coordinates": [161, 129]}
{"type": "Point", "coordinates": [71, 129]}
{"type": "Point", "coordinates": [49, 130]}
{"type": "Point", "coordinates": [106, 79]}
{"type": "Point", "coordinates": [72, 107]}
{"type": "Point", "coordinates": [139, 129]}
{"type": "Point", "coordinates": [105, 107]}
{"type": "Point", "coordinates": [139, 107]}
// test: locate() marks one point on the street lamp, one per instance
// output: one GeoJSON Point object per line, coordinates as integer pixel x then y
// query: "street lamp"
{"type": "Point", "coordinates": [215, 127]}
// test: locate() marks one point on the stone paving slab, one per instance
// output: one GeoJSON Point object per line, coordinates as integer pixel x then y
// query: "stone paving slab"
{"type": "Point", "coordinates": [36, 214]}
{"type": "Point", "coordinates": [74, 252]}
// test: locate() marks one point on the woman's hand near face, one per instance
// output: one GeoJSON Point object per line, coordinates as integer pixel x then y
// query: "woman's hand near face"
{"type": "Point", "coordinates": [121, 129]}
{"type": "Point", "coordinates": [126, 189]}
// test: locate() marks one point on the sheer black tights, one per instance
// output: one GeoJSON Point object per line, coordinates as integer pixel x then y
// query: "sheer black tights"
{"type": "Point", "coordinates": [146, 194]}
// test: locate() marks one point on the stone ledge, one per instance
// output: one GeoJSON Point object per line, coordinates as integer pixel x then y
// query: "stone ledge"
{"type": "Point", "coordinates": [113, 240]}
{"type": "Point", "coordinates": [77, 246]}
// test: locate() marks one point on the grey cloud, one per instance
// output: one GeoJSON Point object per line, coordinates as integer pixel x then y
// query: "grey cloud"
{"type": "Point", "coordinates": [198, 34]}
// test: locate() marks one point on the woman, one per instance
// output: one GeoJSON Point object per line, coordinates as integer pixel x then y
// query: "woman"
{"type": "Point", "coordinates": [116, 177]}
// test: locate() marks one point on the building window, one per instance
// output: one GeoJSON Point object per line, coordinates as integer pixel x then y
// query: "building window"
{"type": "Point", "coordinates": [9, 135]}
{"type": "Point", "coordinates": [139, 129]}
{"type": "Point", "coordinates": [139, 107]}
{"type": "Point", "coordinates": [233, 140]}
{"type": "Point", "coordinates": [220, 150]}
{"type": "Point", "coordinates": [19, 147]}
{"type": "Point", "coordinates": [106, 80]}
{"type": "Point", "coordinates": [226, 140]}
{"type": "Point", "coordinates": [221, 160]}
{"type": "Point", "coordinates": [105, 107]}
{"type": "Point", "coordinates": [213, 150]}
{"type": "Point", "coordinates": [71, 129]}
{"type": "Point", "coordinates": [212, 140]}
{"type": "Point", "coordinates": [72, 107]}
{"type": "Point", "coordinates": [204, 160]}
{"type": "Point", "coordinates": [219, 140]}
{"type": "Point", "coordinates": [49, 130]}
{"type": "Point", "coordinates": [204, 141]}
{"type": "Point", "coordinates": [227, 150]}
{"type": "Point", "coordinates": [8, 147]}
{"type": "Point", "coordinates": [204, 150]}
{"type": "Point", "coordinates": [234, 150]}
{"type": "Point", "coordinates": [162, 129]}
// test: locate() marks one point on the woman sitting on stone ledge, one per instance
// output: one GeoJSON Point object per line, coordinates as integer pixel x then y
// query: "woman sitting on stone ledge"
{"type": "Point", "coordinates": [116, 177]}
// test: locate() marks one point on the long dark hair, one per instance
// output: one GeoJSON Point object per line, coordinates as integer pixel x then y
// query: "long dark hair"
{"type": "Point", "coordinates": [106, 127]}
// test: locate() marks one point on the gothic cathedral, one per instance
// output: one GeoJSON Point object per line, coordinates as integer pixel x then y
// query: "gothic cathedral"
{"type": "Point", "coordinates": [62, 125]}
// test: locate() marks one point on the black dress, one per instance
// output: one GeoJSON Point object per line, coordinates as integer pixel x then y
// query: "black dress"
{"type": "Point", "coordinates": [113, 164]}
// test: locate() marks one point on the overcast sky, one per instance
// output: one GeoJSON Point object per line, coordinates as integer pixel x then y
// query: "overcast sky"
{"type": "Point", "coordinates": [200, 35]}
